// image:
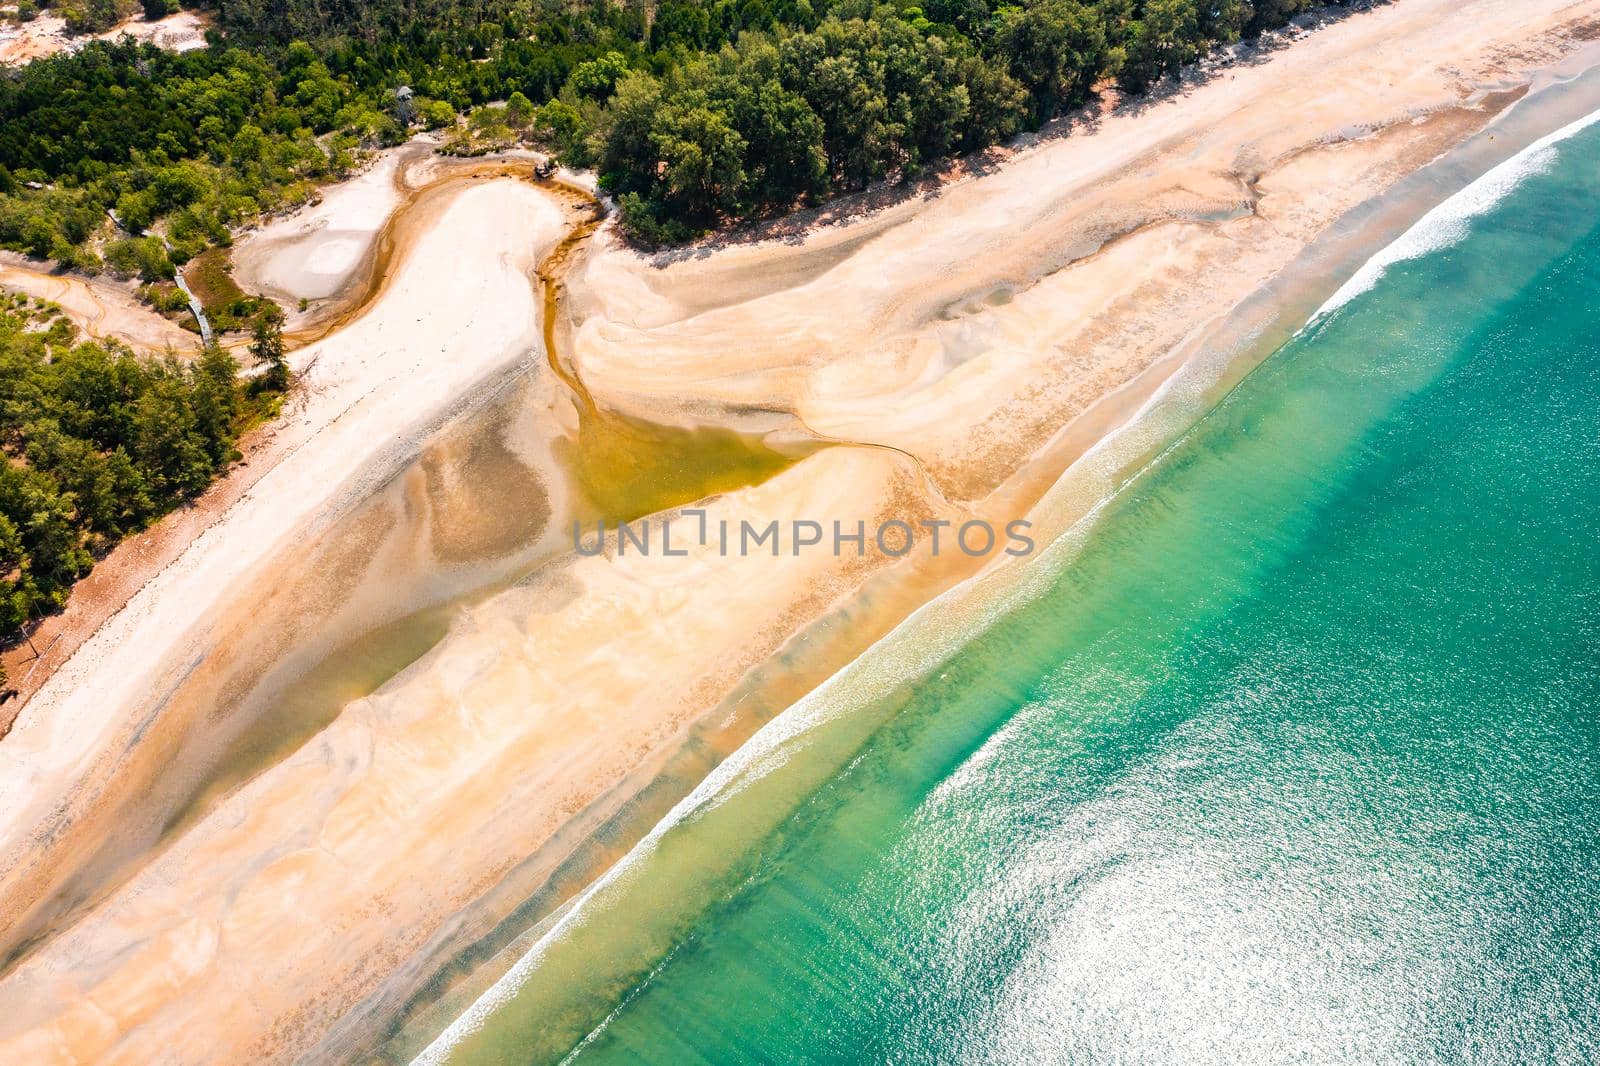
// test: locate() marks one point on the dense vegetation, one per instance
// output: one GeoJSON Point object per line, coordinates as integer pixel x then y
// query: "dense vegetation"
{"type": "Point", "coordinates": [694, 113]}
{"type": "Point", "coordinates": [99, 443]}
{"type": "Point", "coordinates": [202, 140]}
{"type": "Point", "coordinates": [794, 110]}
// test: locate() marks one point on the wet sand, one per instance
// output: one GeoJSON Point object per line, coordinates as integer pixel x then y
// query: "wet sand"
{"type": "Point", "coordinates": [969, 326]}
{"type": "Point", "coordinates": [971, 345]}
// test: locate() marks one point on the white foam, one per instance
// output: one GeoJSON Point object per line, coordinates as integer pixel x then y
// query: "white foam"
{"type": "Point", "coordinates": [1449, 223]}
{"type": "Point", "coordinates": [766, 750]}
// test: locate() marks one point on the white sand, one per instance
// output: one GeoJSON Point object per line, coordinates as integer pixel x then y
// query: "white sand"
{"type": "Point", "coordinates": [904, 330]}
{"type": "Point", "coordinates": [46, 34]}
{"type": "Point", "coordinates": [417, 799]}
{"type": "Point", "coordinates": [313, 253]}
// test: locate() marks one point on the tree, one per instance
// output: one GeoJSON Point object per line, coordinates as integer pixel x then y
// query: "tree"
{"type": "Point", "coordinates": [1269, 13]}
{"type": "Point", "coordinates": [597, 78]}
{"type": "Point", "coordinates": [166, 437]}
{"type": "Point", "coordinates": [97, 443]}
{"type": "Point", "coordinates": [1224, 21]}
{"type": "Point", "coordinates": [621, 144]}
{"type": "Point", "coordinates": [1055, 49]}
{"type": "Point", "coordinates": [267, 348]}
{"type": "Point", "coordinates": [436, 114]}
{"type": "Point", "coordinates": [1160, 42]}
{"type": "Point", "coordinates": [682, 22]}
{"type": "Point", "coordinates": [216, 398]}
{"type": "Point", "coordinates": [702, 156]}
{"type": "Point", "coordinates": [783, 142]}
{"type": "Point", "coordinates": [519, 112]}
{"type": "Point", "coordinates": [560, 125]}
{"type": "Point", "coordinates": [205, 140]}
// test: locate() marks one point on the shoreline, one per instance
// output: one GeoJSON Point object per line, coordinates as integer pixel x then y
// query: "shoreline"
{"type": "Point", "coordinates": [603, 362]}
{"type": "Point", "coordinates": [1088, 218]}
{"type": "Point", "coordinates": [382, 193]}
{"type": "Point", "coordinates": [1251, 331]}
{"type": "Point", "coordinates": [582, 926]}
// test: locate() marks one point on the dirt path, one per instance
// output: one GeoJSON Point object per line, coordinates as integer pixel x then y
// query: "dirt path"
{"type": "Point", "coordinates": [101, 308]}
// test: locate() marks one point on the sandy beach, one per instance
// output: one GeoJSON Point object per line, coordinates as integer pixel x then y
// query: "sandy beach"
{"type": "Point", "coordinates": [1072, 267]}
{"type": "Point", "coordinates": [958, 349]}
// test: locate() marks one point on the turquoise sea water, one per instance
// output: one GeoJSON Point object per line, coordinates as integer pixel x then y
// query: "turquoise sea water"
{"type": "Point", "coordinates": [1298, 758]}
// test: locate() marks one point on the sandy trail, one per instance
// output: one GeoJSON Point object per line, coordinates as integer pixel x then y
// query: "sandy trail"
{"type": "Point", "coordinates": [971, 332]}
{"type": "Point", "coordinates": [46, 34]}
{"type": "Point", "coordinates": [102, 309]}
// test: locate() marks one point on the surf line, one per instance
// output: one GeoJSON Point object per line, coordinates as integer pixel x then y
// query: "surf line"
{"type": "Point", "coordinates": [1448, 224]}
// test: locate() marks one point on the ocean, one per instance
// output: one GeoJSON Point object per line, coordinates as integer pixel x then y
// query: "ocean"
{"type": "Point", "coordinates": [1289, 751]}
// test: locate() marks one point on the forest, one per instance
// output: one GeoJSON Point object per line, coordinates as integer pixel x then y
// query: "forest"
{"type": "Point", "coordinates": [99, 444]}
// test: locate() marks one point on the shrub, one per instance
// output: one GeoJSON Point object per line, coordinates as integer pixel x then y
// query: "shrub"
{"type": "Point", "coordinates": [142, 257]}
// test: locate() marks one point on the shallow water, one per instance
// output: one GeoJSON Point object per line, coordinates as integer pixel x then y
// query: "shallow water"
{"type": "Point", "coordinates": [626, 467]}
{"type": "Point", "coordinates": [1295, 758]}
